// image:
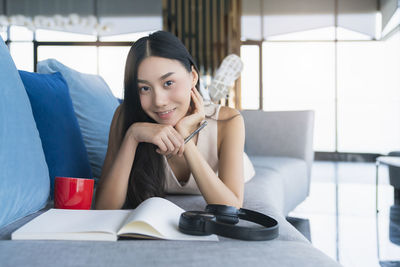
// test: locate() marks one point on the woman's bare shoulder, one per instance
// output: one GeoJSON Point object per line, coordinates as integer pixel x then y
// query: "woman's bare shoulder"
{"type": "Point", "coordinates": [229, 120]}
{"type": "Point", "coordinates": [227, 113]}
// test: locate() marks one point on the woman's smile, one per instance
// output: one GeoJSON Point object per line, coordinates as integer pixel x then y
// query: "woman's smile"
{"type": "Point", "coordinates": [165, 115]}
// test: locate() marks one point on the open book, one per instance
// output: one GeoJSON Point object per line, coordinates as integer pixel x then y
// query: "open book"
{"type": "Point", "coordinates": [154, 218]}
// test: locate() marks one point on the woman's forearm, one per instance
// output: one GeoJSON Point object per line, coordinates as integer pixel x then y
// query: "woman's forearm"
{"type": "Point", "coordinates": [112, 188]}
{"type": "Point", "coordinates": [210, 185]}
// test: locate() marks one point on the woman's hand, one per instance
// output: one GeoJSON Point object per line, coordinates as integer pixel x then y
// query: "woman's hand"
{"type": "Point", "coordinates": [168, 140]}
{"type": "Point", "coordinates": [194, 117]}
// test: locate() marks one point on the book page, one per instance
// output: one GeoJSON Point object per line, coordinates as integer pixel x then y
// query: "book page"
{"type": "Point", "coordinates": [158, 217]}
{"type": "Point", "coordinates": [73, 225]}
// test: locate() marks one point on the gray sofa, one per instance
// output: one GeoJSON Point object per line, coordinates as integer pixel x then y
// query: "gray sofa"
{"type": "Point", "coordinates": [280, 146]}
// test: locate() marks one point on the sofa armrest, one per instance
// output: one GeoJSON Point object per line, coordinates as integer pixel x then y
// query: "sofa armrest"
{"type": "Point", "coordinates": [280, 133]}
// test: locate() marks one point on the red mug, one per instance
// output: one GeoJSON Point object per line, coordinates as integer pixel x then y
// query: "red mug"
{"type": "Point", "coordinates": [73, 193]}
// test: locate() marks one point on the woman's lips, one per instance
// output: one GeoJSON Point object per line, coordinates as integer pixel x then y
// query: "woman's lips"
{"type": "Point", "coordinates": [166, 115]}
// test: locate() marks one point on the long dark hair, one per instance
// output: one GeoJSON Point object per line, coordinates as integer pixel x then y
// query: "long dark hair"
{"type": "Point", "coordinates": [147, 176]}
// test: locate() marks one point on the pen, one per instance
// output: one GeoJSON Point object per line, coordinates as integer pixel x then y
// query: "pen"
{"type": "Point", "coordinates": [195, 132]}
{"type": "Point", "coordinates": [187, 139]}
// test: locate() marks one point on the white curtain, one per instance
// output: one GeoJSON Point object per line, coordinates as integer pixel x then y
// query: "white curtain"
{"type": "Point", "coordinates": [130, 16]}
{"type": "Point", "coordinates": [289, 16]}
{"type": "Point", "coordinates": [120, 16]}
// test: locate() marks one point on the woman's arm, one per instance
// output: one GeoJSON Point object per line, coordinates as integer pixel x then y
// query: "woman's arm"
{"type": "Point", "coordinates": [113, 184]}
{"type": "Point", "coordinates": [228, 188]}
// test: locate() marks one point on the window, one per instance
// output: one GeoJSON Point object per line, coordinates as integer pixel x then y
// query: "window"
{"type": "Point", "coordinates": [21, 47]}
{"type": "Point", "coordinates": [300, 76]}
{"type": "Point", "coordinates": [80, 58]}
{"type": "Point", "coordinates": [112, 67]}
{"type": "Point", "coordinates": [22, 54]}
{"type": "Point", "coordinates": [19, 33]}
{"type": "Point", "coordinates": [250, 78]}
{"type": "Point", "coordinates": [59, 36]}
{"type": "Point", "coordinates": [352, 84]}
{"type": "Point", "coordinates": [3, 33]}
{"type": "Point", "coordinates": [107, 61]}
{"type": "Point", "coordinates": [369, 96]}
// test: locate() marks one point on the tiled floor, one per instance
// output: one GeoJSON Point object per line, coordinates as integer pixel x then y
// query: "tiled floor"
{"type": "Point", "coordinates": [341, 212]}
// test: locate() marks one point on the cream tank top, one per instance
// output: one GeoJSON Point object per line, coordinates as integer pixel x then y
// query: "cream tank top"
{"type": "Point", "coordinates": [207, 146]}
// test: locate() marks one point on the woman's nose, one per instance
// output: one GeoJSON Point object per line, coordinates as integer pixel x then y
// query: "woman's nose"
{"type": "Point", "coordinates": [160, 98]}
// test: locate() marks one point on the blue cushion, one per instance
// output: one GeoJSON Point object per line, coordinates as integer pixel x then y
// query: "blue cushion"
{"type": "Point", "coordinates": [24, 176]}
{"type": "Point", "coordinates": [94, 106]}
{"type": "Point", "coordinates": [58, 127]}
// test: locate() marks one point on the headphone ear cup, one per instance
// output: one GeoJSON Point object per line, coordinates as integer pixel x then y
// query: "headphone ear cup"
{"type": "Point", "coordinates": [193, 222]}
{"type": "Point", "coordinates": [224, 213]}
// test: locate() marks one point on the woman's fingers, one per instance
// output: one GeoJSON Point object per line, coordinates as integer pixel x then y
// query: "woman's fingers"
{"type": "Point", "coordinates": [161, 147]}
{"type": "Point", "coordinates": [167, 139]}
{"type": "Point", "coordinates": [181, 150]}
{"type": "Point", "coordinates": [168, 143]}
{"type": "Point", "coordinates": [190, 122]}
{"type": "Point", "coordinates": [198, 95]}
{"type": "Point", "coordinates": [176, 143]}
{"type": "Point", "coordinates": [198, 101]}
{"type": "Point", "coordinates": [180, 143]}
{"type": "Point", "coordinates": [173, 143]}
{"type": "Point", "coordinates": [176, 139]}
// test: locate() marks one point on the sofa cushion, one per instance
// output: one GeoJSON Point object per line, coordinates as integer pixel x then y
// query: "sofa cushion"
{"type": "Point", "coordinates": [94, 106]}
{"type": "Point", "coordinates": [292, 172]}
{"type": "Point", "coordinates": [58, 127]}
{"type": "Point", "coordinates": [24, 176]}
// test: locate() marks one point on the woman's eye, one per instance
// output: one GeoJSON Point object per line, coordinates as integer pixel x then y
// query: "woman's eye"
{"type": "Point", "coordinates": [168, 83]}
{"type": "Point", "coordinates": [144, 89]}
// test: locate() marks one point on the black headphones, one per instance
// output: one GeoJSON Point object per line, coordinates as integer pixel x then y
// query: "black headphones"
{"type": "Point", "coordinates": [221, 220]}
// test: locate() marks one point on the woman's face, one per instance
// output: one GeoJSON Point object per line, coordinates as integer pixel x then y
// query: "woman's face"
{"type": "Point", "coordinates": [164, 88]}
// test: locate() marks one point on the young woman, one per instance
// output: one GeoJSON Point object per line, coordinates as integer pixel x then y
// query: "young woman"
{"type": "Point", "coordinates": [162, 105]}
